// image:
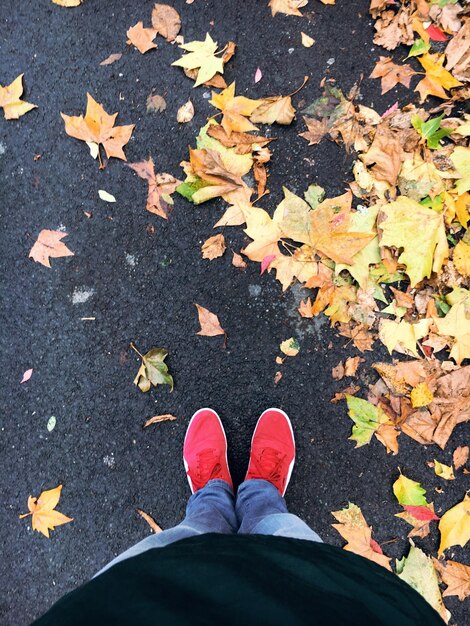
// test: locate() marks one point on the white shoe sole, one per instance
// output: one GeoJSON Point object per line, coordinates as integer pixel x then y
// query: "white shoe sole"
{"type": "Point", "coordinates": [291, 465]}
{"type": "Point", "coordinates": [186, 466]}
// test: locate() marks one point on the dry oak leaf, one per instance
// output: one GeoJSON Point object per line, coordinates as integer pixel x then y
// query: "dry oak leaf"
{"type": "Point", "coordinates": [354, 529]}
{"type": "Point", "coordinates": [392, 74]}
{"type": "Point", "coordinates": [49, 246]}
{"type": "Point", "coordinates": [214, 247]}
{"type": "Point", "coordinates": [98, 127]}
{"type": "Point", "coordinates": [166, 21]}
{"type": "Point", "coordinates": [44, 518]}
{"type": "Point", "coordinates": [456, 576]}
{"type": "Point", "coordinates": [460, 456]}
{"type": "Point", "coordinates": [235, 110]}
{"type": "Point", "coordinates": [288, 7]}
{"type": "Point", "coordinates": [210, 325]}
{"type": "Point", "coordinates": [161, 186]}
{"type": "Point", "coordinates": [437, 79]}
{"type": "Point", "coordinates": [202, 56]}
{"type": "Point", "coordinates": [455, 526]}
{"type": "Point", "coordinates": [156, 419]}
{"type": "Point", "coordinates": [142, 38]}
{"type": "Point", "coordinates": [150, 521]}
{"type": "Point", "coordinates": [10, 100]}
{"type": "Point", "coordinates": [420, 232]}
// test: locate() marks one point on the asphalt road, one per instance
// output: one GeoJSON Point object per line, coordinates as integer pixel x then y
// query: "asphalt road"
{"type": "Point", "coordinates": [141, 287]}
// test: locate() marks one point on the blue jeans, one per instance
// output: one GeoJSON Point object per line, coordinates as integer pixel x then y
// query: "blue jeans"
{"type": "Point", "coordinates": [259, 509]}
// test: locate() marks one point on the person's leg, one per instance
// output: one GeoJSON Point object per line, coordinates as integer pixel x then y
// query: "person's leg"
{"type": "Point", "coordinates": [261, 510]}
{"type": "Point", "coordinates": [209, 510]}
{"type": "Point", "coordinates": [211, 507]}
{"type": "Point", "coordinates": [260, 505]}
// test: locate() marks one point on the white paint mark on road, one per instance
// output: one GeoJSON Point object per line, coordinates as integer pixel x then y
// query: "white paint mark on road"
{"type": "Point", "coordinates": [109, 461]}
{"type": "Point", "coordinates": [130, 260]}
{"type": "Point", "coordinates": [81, 295]}
{"type": "Point", "coordinates": [3, 148]}
{"type": "Point", "coordinates": [255, 290]}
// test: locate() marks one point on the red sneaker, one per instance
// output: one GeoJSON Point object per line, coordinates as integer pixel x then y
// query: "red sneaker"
{"type": "Point", "coordinates": [272, 454]}
{"type": "Point", "coordinates": [205, 450]}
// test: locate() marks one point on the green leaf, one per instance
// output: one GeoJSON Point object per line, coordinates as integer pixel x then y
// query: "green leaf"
{"type": "Point", "coordinates": [153, 371]}
{"type": "Point", "coordinates": [314, 195]}
{"type": "Point", "coordinates": [430, 130]}
{"type": "Point", "coordinates": [409, 491]}
{"type": "Point", "coordinates": [188, 189]}
{"type": "Point", "coordinates": [418, 571]}
{"type": "Point", "coordinates": [418, 48]}
{"type": "Point", "coordinates": [366, 417]}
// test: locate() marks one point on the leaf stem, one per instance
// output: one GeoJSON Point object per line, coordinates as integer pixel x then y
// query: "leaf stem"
{"type": "Point", "coordinates": [132, 345]}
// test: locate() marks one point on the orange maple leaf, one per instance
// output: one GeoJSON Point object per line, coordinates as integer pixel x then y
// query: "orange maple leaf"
{"type": "Point", "coordinates": [142, 38]}
{"type": "Point", "coordinates": [44, 518]}
{"type": "Point", "coordinates": [161, 186]}
{"type": "Point", "coordinates": [49, 246]}
{"type": "Point", "coordinates": [10, 100]}
{"type": "Point", "coordinates": [97, 127]}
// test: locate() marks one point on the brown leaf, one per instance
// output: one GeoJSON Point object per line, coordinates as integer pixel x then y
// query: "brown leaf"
{"type": "Point", "coordinates": [276, 109]}
{"type": "Point", "coordinates": [392, 74]}
{"type": "Point", "coordinates": [210, 325]}
{"type": "Point", "coordinates": [393, 29]}
{"type": "Point", "coordinates": [456, 576]}
{"type": "Point", "coordinates": [306, 308]}
{"type": "Point", "coordinates": [351, 364]}
{"type": "Point", "coordinates": [185, 113]}
{"type": "Point", "coordinates": [338, 371]}
{"type": "Point", "coordinates": [166, 21]}
{"type": "Point", "coordinates": [214, 247]}
{"type": "Point", "coordinates": [347, 391]}
{"type": "Point", "coordinates": [460, 456]}
{"type": "Point", "coordinates": [160, 187]}
{"type": "Point", "coordinates": [316, 130]}
{"type": "Point", "coordinates": [142, 38]}
{"type": "Point", "coordinates": [386, 153]}
{"type": "Point", "coordinates": [155, 103]}
{"type": "Point", "coordinates": [112, 58]}
{"type": "Point", "coordinates": [360, 335]}
{"type": "Point", "coordinates": [277, 377]}
{"type": "Point", "coordinates": [242, 141]}
{"type": "Point", "coordinates": [237, 261]}
{"type": "Point", "coordinates": [261, 176]}
{"type": "Point", "coordinates": [288, 7]}
{"type": "Point", "coordinates": [150, 521]}
{"type": "Point", "coordinates": [458, 53]}
{"type": "Point", "coordinates": [10, 100]}
{"type": "Point", "coordinates": [49, 246]}
{"type": "Point", "coordinates": [159, 418]}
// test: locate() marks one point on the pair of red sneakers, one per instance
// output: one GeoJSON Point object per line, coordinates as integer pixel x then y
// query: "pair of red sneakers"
{"type": "Point", "coordinates": [272, 453]}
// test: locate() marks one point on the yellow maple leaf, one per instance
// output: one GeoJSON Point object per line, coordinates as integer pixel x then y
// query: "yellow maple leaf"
{"type": "Point", "coordinates": [420, 232]}
{"type": "Point", "coordinates": [44, 518]}
{"type": "Point", "coordinates": [402, 336]}
{"type": "Point", "coordinates": [276, 109]}
{"type": "Point", "coordinates": [235, 109]}
{"type": "Point", "coordinates": [461, 258]}
{"type": "Point", "coordinates": [455, 526]}
{"type": "Point", "coordinates": [460, 158]}
{"type": "Point", "coordinates": [264, 231]}
{"type": "Point", "coordinates": [421, 395]}
{"type": "Point", "coordinates": [202, 56]}
{"type": "Point", "coordinates": [457, 326]}
{"type": "Point", "coordinates": [437, 79]}
{"type": "Point", "coordinates": [10, 100]}
{"type": "Point", "coordinates": [97, 127]}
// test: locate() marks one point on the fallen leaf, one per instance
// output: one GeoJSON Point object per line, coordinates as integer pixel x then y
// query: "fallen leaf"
{"type": "Point", "coordinates": [421, 395]}
{"type": "Point", "coordinates": [258, 75]}
{"type": "Point", "coordinates": [166, 21]}
{"type": "Point", "coordinates": [443, 471]}
{"type": "Point", "coordinates": [210, 325]}
{"type": "Point", "coordinates": [111, 59]}
{"type": "Point", "coordinates": [160, 187]}
{"type": "Point", "coordinates": [277, 377]}
{"type": "Point", "coordinates": [290, 347]}
{"type": "Point", "coordinates": [235, 110]}
{"type": "Point", "coordinates": [105, 196]}
{"type": "Point", "coordinates": [460, 456]}
{"type": "Point", "coordinates": [392, 74]}
{"type": "Point", "coordinates": [26, 376]}
{"type": "Point", "coordinates": [458, 53]}
{"type": "Point", "coordinates": [305, 308]}
{"type": "Point", "coordinates": [456, 325]}
{"type": "Point", "coordinates": [307, 41]}
{"type": "Point", "coordinates": [456, 576]}
{"type": "Point", "coordinates": [351, 364]}
{"type": "Point", "coordinates": [276, 109]}
{"type": "Point", "coordinates": [10, 100]}
{"type": "Point", "coordinates": [237, 261]}
{"type": "Point", "coordinates": [185, 113]}
{"type": "Point", "coordinates": [355, 530]}
{"type": "Point", "coordinates": [367, 419]}
{"type": "Point", "coordinates": [98, 127]}
{"type": "Point", "coordinates": [159, 418]}
{"type": "Point", "coordinates": [68, 3]}
{"type": "Point", "coordinates": [142, 38]}
{"type": "Point", "coordinates": [44, 518]}
{"type": "Point", "coordinates": [437, 79]}
{"type": "Point", "coordinates": [409, 492]}
{"type": "Point", "coordinates": [214, 247]}
{"type": "Point", "coordinates": [155, 103]}
{"type": "Point", "coordinates": [461, 258]}
{"type": "Point", "coordinates": [153, 370]}
{"type": "Point", "coordinates": [316, 130]}
{"type": "Point", "coordinates": [288, 7]}
{"type": "Point", "coordinates": [202, 56]}
{"type": "Point", "coordinates": [49, 246]}
{"type": "Point", "coordinates": [418, 571]}
{"type": "Point", "coordinates": [337, 372]}
{"type": "Point", "coordinates": [150, 521]}
{"type": "Point", "coordinates": [455, 526]}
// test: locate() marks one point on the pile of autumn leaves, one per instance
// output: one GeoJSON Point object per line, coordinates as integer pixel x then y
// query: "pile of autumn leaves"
{"type": "Point", "coordinates": [388, 260]}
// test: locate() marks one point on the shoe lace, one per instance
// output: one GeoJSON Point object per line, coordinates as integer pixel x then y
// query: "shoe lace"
{"type": "Point", "coordinates": [268, 465]}
{"type": "Point", "coordinates": [208, 467]}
